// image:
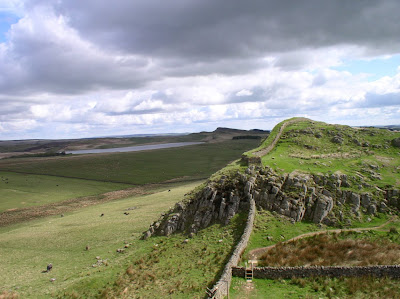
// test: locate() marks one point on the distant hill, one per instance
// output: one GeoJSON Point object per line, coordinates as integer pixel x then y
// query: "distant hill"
{"type": "Point", "coordinates": [38, 146]}
{"type": "Point", "coordinates": [388, 127]}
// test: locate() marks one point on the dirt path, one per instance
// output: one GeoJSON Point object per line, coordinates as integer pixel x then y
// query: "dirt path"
{"type": "Point", "coordinates": [25, 214]}
{"type": "Point", "coordinates": [255, 254]}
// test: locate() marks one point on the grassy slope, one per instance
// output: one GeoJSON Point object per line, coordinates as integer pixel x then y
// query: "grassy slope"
{"type": "Point", "coordinates": [192, 162]}
{"type": "Point", "coordinates": [22, 190]}
{"type": "Point", "coordinates": [280, 229]}
{"type": "Point", "coordinates": [299, 149]}
{"type": "Point", "coordinates": [293, 153]}
{"type": "Point", "coordinates": [363, 248]}
{"type": "Point", "coordinates": [168, 267]}
{"type": "Point", "coordinates": [26, 249]}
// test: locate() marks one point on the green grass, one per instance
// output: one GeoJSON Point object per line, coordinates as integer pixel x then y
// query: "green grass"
{"type": "Point", "coordinates": [26, 248]}
{"type": "Point", "coordinates": [270, 228]}
{"type": "Point", "coordinates": [190, 162]}
{"type": "Point", "coordinates": [268, 224]}
{"type": "Point", "coordinates": [278, 228]}
{"type": "Point", "coordinates": [267, 288]}
{"type": "Point", "coordinates": [299, 149]}
{"type": "Point", "coordinates": [168, 267]}
{"type": "Point", "coordinates": [364, 287]}
{"type": "Point", "coordinates": [23, 190]}
{"type": "Point", "coordinates": [364, 248]}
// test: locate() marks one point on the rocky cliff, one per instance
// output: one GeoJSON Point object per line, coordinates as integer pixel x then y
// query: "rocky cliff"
{"type": "Point", "coordinates": [326, 199]}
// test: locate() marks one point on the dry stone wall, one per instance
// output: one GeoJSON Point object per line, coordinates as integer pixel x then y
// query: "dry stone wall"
{"type": "Point", "coordinates": [318, 198]}
{"type": "Point", "coordinates": [221, 288]}
{"type": "Point", "coordinates": [291, 272]}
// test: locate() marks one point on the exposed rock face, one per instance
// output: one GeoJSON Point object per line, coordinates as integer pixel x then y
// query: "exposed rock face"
{"type": "Point", "coordinates": [311, 197]}
{"type": "Point", "coordinates": [323, 206]}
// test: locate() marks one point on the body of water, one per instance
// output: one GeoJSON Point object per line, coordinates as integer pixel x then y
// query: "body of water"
{"type": "Point", "coordinates": [133, 148]}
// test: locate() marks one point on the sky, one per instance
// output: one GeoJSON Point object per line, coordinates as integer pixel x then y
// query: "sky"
{"type": "Point", "coordinates": [75, 69]}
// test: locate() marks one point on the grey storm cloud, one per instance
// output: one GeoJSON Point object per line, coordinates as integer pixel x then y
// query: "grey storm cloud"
{"type": "Point", "coordinates": [210, 30]}
{"type": "Point", "coordinates": [180, 38]}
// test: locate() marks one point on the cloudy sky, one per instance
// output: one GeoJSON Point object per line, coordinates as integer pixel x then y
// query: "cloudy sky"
{"type": "Point", "coordinates": [73, 68]}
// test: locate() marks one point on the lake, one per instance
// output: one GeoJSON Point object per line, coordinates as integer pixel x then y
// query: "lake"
{"type": "Point", "coordinates": [133, 148]}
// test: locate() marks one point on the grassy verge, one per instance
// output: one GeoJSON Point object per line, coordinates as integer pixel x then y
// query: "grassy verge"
{"type": "Point", "coordinates": [267, 288]}
{"type": "Point", "coordinates": [365, 287]}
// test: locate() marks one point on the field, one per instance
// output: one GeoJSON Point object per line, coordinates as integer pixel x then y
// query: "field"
{"type": "Point", "coordinates": [190, 162]}
{"type": "Point", "coordinates": [85, 215]}
{"type": "Point", "coordinates": [26, 190]}
{"type": "Point", "coordinates": [365, 287]}
{"type": "Point", "coordinates": [66, 196]}
{"type": "Point", "coordinates": [27, 248]}
{"type": "Point", "coordinates": [377, 247]}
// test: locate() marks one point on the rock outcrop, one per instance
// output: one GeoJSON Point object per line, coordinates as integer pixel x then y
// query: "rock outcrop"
{"type": "Point", "coordinates": [317, 198]}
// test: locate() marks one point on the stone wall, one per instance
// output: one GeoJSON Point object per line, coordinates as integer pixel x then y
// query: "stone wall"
{"type": "Point", "coordinates": [222, 286]}
{"type": "Point", "coordinates": [392, 271]}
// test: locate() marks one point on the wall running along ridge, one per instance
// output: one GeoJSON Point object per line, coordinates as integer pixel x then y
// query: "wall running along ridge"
{"type": "Point", "coordinates": [317, 198]}
{"type": "Point", "coordinates": [255, 157]}
{"type": "Point", "coordinates": [222, 286]}
{"type": "Point", "coordinates": [392, 271]}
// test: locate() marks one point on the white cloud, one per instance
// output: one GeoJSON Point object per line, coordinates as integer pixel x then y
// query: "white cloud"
{"type": "Point", "coordinates": [244, 92]}
{"type": "Point", "coordinates": [72, 67]}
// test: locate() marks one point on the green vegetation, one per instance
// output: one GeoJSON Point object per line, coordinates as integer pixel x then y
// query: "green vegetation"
{"type": "Point", "coordinates": [380, 245]}
{"type": "Point", "coordinates": [186, 163]}
{"type": "Point", "coordinates": [82, 245]}
{"type": "Point", "coordinates": [27, 248]}
{"type": "Point", "coordinates": [315, 147]}
{"type": "Point", "coordinates": [343, 249]}
{"type": "Point", "coordinates": [268, 288]}
{"type": "Point", "coordinates": [363, 287]}
{"type": "Point", "coordinates": [48, 154]}
{"type": "Point", "coordinates": [270, 228]}
{"type": "Point", "coordinates": [23, 190]}
{"type": "Point", "coordinates": [172, 266]}
{"type": "Point", "coordinates": [37, 183]}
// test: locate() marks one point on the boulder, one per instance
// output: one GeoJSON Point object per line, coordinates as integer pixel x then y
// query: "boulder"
{"type": "Point", "coordinates": [396, 142]}
{"type": "Point", "coordinates": [323, 206]}
{"type": "Point", "coordinates": [355, 202]}
{"type": "Point", "coordinates": [372, 209]}
{"type": "Point", "coordinates": [365, 200]}
{"type": "Point", "coordinates": [337, 139]}
{"type": "Point", "coordinates": [383, 207]}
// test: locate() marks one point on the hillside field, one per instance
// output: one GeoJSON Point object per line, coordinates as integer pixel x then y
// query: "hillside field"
{"type": "Point", "coordinates": [27, 190]}
{"type": "Point", "coordinates": [160, 178]}
{"type": "Point", "coordinates": [138, 168]}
